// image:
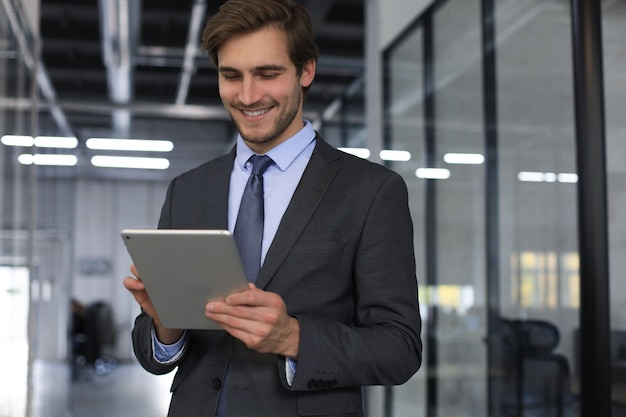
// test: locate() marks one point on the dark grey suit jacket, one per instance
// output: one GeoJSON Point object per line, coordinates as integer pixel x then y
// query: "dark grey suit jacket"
{"type": "Point", "coordinates": [342, 260]}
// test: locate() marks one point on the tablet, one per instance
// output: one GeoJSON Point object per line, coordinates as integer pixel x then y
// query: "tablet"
{"type": "Point", "coordinates": [183, 269]}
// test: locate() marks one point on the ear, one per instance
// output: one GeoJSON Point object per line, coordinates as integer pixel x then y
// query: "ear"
{"type": "Point", "coordinates": [308, 73]}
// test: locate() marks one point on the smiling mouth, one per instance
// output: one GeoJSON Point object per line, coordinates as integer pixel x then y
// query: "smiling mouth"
{"type": "Point", "coordinates": [256, 113]}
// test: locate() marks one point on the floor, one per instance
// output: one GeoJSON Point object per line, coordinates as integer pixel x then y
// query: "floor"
{"type": "Point", "coordinates": [121, 390]}
{"type": "Point", "coordinates": [125, 390]}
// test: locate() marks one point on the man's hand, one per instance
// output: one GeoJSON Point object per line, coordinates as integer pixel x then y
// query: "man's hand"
{"type": "Point", "coordinates": [259, 319]}
{"type": "Point", "coordinates": [137, 289]}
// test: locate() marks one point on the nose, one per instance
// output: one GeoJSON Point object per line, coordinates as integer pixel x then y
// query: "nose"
{"type": "Point", "coordinates": [250, 91]}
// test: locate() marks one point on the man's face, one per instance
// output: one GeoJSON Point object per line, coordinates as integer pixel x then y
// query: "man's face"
{"type": "Point", "coordinates": [260, 88]}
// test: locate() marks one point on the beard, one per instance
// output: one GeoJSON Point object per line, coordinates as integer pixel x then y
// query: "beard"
{"type": "Point", "coordinates": [283, 120]}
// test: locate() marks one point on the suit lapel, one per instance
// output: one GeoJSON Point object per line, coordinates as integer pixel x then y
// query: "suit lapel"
{"type": "Point", "coordinates": [217, 186]}
{"type": "Point", "coordinates": [316, 179]}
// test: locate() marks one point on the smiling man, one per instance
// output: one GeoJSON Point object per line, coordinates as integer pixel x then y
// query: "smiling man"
{"type": "Point", "coordinates": [332, 301]}
{"type": "Point", "coordinates": [261, 88]}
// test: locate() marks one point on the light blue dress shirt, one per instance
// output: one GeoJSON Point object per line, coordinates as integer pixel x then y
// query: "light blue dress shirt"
{"type": "Point", "coordinates": [279, 183]}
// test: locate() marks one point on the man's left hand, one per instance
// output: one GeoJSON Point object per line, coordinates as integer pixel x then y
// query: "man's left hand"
{"type": "Point", "coordinates": [259, 319]}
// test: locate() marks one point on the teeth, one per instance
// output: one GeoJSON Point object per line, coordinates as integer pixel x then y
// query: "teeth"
{"type": "Point", "coordinates": [255, 113]}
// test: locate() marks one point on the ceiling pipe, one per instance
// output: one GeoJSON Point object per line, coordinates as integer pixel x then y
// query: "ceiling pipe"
{"type": "Point", "coordinates": [27, 46]}
{"type": "Point", "coordinates": [119, 21]}
{"type": "Point", "coordinates": [191, 50]}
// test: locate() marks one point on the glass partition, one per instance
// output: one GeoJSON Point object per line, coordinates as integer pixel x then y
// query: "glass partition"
{"type": "Point", "coordinates": [404, 127]}
{"type": "Point", "coordinates": [538, 228]}
{"type": "Point", "coordinates": [515, 354]}
{"type": "Point", "coordinates": [614, 48]}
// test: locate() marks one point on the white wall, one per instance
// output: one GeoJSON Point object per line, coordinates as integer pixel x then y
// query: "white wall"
{"type": "Point", "coordinates": [103, 209]}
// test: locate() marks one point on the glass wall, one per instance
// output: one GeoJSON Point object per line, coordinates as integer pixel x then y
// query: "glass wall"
{"type": "Point", "coordinates": [538, 218]}
{"type": "Point", "coordinates": [499, 288]}
{"type": "Point", "coordinates": [404, 126]}
{"type": "Point", "coordinates": [614, 32]}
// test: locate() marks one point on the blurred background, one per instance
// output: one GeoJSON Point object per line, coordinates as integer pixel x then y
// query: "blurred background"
{"type": "Point", "coordinates": [471, 101]}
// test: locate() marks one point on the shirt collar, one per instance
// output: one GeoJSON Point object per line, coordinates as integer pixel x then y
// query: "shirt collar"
{"type": "Point", "coordinates": [284, 153]}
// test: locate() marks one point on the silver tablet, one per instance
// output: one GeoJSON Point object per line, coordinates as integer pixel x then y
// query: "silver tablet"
{"type": "Point", "coordinates": [183, 269]}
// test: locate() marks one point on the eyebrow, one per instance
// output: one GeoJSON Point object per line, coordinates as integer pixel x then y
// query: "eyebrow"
{"type": "Point", "coordinates": [261, 68]}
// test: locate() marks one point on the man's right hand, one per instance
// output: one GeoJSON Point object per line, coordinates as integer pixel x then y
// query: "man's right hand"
{"type": "Point", "coordinates": [137, 289]}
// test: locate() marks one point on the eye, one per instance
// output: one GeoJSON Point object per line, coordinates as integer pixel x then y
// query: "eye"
{"type": "Point", "coordinates": [231, 77]}
{"type": "Point", "coordinates": [269, 75]}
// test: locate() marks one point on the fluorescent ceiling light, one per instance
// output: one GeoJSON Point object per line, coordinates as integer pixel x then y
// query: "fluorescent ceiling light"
{"type": "Point", "coordinates": [433, 173]}
{"type": "Point", "coordinates": [129, 162]}
{"type": "Point", "coordinates": [360, 152]}
{"type": "Point", "coordinates": [568, 178]}
{"type": "Point", "coordinates": [385, 155]}
{"type": "Point", "coordinates": [464, 158]}
{"type": "Point", "coordinates": [16, 140]}
{"type": "Point", "coordinates": [391, 155]}
{"type": "Point", "coordinates": [40, 141]}
{"type": "Point", "coordinates": [549, 177]}
{"type": "Point", "coordinates": [526, 176]}
{"type": "Point", "coordinates": [47, 159]}
{"type": "Point", "coordinates": [130, 145]}
{"type": "Point", "coordinates": [56, 142]}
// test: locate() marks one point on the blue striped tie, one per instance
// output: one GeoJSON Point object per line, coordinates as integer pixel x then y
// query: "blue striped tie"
{"type": "Point", "coordinates": [249, 227]}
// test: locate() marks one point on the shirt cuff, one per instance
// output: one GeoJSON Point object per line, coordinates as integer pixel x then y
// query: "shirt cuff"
{"type": "Point", "coordinates": [290, 370]}
{"type": "Point", "coordinates": [167, 354]}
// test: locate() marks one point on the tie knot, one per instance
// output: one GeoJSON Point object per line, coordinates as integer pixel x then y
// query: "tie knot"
{"type": "Point", "coordinates": [260, 163]}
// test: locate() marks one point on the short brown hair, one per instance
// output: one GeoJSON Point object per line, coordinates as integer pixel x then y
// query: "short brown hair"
{"type": "Point", "coordinates": [238, 17]}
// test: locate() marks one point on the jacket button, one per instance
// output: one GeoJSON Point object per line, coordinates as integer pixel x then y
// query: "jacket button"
{"type": "Point", "coordinates": [216, 384]}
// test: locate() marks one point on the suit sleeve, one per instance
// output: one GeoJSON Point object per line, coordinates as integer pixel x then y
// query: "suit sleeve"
{"type": "Point", "coordinates": [382, 346]}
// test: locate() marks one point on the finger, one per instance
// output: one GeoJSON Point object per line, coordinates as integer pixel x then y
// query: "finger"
{"type": "Point", "coordinates": [250, 297]}
{"type": "Point", "coordinates": [235, 325]}
{"type": "Point", "coordinates": [133, 284]}
{"type": "Point", "coordinates": [242, 317]}
{"type": "Point", "coordinates": [133, 270]}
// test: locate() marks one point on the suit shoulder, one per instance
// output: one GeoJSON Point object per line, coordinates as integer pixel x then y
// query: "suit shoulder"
{"type": "Point", "coordinates": [364, 166]}
{"type": "Point", "coordinates": [203, 170]}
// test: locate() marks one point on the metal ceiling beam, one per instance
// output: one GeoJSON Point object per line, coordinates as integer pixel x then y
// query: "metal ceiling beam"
{"type": "Point", "coordinates": [119, 23]}
{"type": "Point", "coordinates": [191, 51]}
{"type": "Point", "coordinates": [187, 111]}
{"type": "Point", "coordinates": [28, 49]}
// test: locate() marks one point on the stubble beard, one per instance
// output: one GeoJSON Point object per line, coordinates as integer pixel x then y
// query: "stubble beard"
{"type": "Point", "coordinates": [279, 126]}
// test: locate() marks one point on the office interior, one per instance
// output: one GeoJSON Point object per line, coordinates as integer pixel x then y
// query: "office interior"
{"type": "Point", "coordinates": [474, 102]}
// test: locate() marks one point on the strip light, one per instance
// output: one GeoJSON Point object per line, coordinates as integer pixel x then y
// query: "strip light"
{"type": "Point", "coordinates": [398, 156]}
{"type": "Point", "coordinates": [385, 155]}
{"type": "Point", "coordinates": [47, 159]}
{"type": "Point", "coordinates": [16, 140]}
{"type": "Point", "coordinates": [40, 141]}
{"type": "Point", "coordinates": [360, 152]}
{"type": "Point", "coordinates": [56, 142]}
{"type": "Point", "coordinates": [433, 173]}
{"type": "Point", "coordinates": [129, 162]}
{"type": "Point", "coordinates": [568, 178]}
{"type": "Point", "coordinates": [529, 176]}
{"type": "Point", "coordinates": [130, 145]}
{"type": "Point", "coordinates": [464, 158]}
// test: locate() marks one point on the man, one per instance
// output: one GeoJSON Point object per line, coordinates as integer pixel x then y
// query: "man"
{"type": "Point", "coordinates": [334, 306]}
